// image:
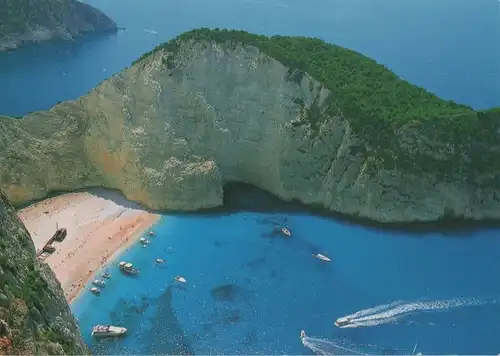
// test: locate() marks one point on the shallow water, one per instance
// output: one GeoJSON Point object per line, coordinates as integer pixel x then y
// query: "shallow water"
{"type": "Point", "coordinates": [250, 290]}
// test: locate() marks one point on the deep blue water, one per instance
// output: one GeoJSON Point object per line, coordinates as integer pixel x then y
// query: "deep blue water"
{"type": "Point", "coordinates": [251, 291]}
{"type": "Point", "coordinates": [450, 47]}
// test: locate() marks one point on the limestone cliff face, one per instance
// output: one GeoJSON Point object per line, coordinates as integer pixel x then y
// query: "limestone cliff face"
{"type": "Point", "coordinates": [171, 130]}
{"type": "Point", "coordinates": [27, 21]}
{"type": "Point", "coordinates": [34, 315]}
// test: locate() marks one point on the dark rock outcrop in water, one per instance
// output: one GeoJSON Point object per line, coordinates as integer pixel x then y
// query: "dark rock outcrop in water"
{"type": "Point", "coordinates": [30, 21]}
{"type": "Point", "coordinates": [302, 119]}
{"type": "Point", "coordinates": [34, 315]}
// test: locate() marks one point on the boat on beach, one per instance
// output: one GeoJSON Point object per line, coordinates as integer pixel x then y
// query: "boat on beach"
{"type": "Point", "coordinates": [95, 290]}
{"type": "Point", "coordinates": [323, 257]}
{"type": "Point", "coordinates": [128, 267]}
{"type": "Point", "coordinates": [342, 321]}
{"type": "Point", "coordinates": [98, 282]}
{"type": "Point", "coordinates": [180, 279]}
{"type": "Point", "coordinates": [107, 331]}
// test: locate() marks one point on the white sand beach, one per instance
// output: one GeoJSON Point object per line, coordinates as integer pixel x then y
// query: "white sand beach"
{"type": "Point", "coordinates": [98, 225]}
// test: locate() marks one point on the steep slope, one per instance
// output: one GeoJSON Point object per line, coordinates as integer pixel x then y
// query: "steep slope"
{"type": "Point", "coordinates": [34, 315]}
{"type": "Point", "coordinates": [30, 21]}
{"type": "Point", "coordinates": [297, 117]}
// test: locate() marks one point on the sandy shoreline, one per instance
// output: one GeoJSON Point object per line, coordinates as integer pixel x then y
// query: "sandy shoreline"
{"type": "Point", "coordinates": [98, 227]}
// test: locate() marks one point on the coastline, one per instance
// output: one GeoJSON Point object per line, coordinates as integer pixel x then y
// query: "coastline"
{"type": "Point", "coordinates": [99, 228]}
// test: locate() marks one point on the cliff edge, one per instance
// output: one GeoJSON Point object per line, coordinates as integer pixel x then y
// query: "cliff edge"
{"type": "Point", "coordinates": [295, 116]}
{"type": "Point", "coordinates": [34, 315]}
{"type": "Point", "coordinates": [28, 21]}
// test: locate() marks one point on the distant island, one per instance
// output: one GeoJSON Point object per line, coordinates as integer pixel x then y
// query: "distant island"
{"type": "Point", "coordinates": [26, 21]}
{"type": "Point", "coordinates": [298, 117]}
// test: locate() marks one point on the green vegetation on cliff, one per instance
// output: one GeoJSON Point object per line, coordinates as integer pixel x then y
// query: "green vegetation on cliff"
{"type": "Point", "coordinates": [376, 102]}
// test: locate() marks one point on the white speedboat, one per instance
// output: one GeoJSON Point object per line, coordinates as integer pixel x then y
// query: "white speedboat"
{"type": "Point", "coordinates": [342, 321]}
{"type": "Point", "coordinates": [302, 334]}
{"type": "Point", "coordinates": [144, 241]}
{"type": "Point", "coordinates": [180, 279]}
{"type": "Point", "coordinates": [151, 233]}
{"type": "Point", "coordinates": [107, 330]}
{"type": "Point", "coordinates": [98, 282]}
{"type": "Point", "coordinates": [322, 257]}
{"type": "Point", "coordinates": [160, 260]}
{"type": "Point", "coordinates": [285, 231]}
{"type": "Point", "coordinates": [106, 275]}
{"type": "Point", "coordinates": [128, 267]}
{"type": "Point", "coordinates": [95, 290]}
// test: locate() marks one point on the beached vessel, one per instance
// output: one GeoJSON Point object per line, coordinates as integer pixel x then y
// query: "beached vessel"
{"type": "Point", "coordinates": [180, 279]}
{"type": "Point", "coordinates": [342, 321]}
{"type": "Point", "coordinates": [322, 257]}
{"type": "Point", "coordinates": [98, 282]}
{"type": "Point", "coordinates": [95, 290]}
{"type": "Point", "coordinates": [107, 331]}
{"type": "Point", "coordinates": [128, 267]}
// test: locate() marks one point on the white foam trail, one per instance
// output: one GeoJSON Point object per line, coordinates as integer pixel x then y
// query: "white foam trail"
{"type": "Point", "coordinates": [388, 313]}
{"type": "Point", "coordinates": [327, 347]}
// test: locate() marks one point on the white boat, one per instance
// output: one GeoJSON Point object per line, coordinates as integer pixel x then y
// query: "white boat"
{"type": "Point", "coordinates": [151, 233]}
{"type": "Point", "coordinates": [322, 257]}
{"type": "Point", "coordinates": [342, 321]}
{"type": "Point", "coordinates": [286, 231]}
{"type": "Point", "coordinates": [180, 279]}
{"type": "Point", "coordinates": [107, 330]}
{"type": "Point", "coordinates": [98, 282]}
{"type": "Point", "coordinates": [128, 267]}
{"type": "Point", "coordinates": [160, 260]}
{"type": "Point", "coordinates": [105, 275]}
{"type": "Point", "coordinates": [95, 290]}
{"type": "Point", "coordinates": [302, 334]}
{"type": "Point", "coordinates": [144, 241]}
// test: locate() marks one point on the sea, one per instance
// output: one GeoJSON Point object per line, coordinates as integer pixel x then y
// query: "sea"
{"type": "Point", "coordinates": [250, 289]}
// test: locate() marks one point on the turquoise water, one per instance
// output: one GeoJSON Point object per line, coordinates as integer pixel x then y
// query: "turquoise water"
{"type": "Point", "coordinates": [450, 47]}
{"type": "Point", "coordinates": [250, 290]}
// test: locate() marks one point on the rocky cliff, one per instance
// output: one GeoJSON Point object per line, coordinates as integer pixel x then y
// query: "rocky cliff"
{"type": "Point", "coordinates": [297, 117]}
{"type": "Point", "coordinates": [34, 315]}
{"type": "Point", "coordinates": [30, 21]}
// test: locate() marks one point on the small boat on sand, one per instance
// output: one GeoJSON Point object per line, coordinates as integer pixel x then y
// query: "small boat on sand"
{"type": "Point", "coordinates": [98, 282]}
{"type": "Point", "coordinates": [285, 231]}
{"type": "Point", "coordinates": [95, 290]}
{"type": "Point", "coordinates": [128, 267]}
{"type": "Point", "coordinates": [180, 279]}
{"type": "Point", "coordinates": [342, 321]}
{"type": "Point", "coordinates": [107, 330]}
{"type": "Point", "coordinates": [322, 257]}
{"type": "Point", "coordinates": [106, 275]}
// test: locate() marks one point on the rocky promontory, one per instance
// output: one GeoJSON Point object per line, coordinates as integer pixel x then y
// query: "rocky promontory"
{"type": "Point", "coordinates": [300, 118]}
{"type": "Point", "coordinates": [28, 21]}
{"type": "Point", "coordinates": [34, 316]}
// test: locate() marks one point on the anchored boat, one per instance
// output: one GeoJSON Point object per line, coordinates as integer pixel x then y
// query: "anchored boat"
{"type": "Point", "coordinates": [322, 257]}
{"type": "Point", "coordinates": [128, 267]}
{"type": "Point", "coordinates": [180, 279]}
{"type": "Point", "coordinates": [98, 282]}
{"type": "Point", "coordinates": [95, 290]}
{"type": "Point", "coordinates": [285, 231]}
{"type": "Point", "coordinates": [107, 330]}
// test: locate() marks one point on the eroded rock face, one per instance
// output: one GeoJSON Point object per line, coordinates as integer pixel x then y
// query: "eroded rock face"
{"type": "Point", "coordinates": [34, 315]}
{"type": "Point", "coordinates": [169, 132]}
{"type": "Point", "coordinates": [25, 22]}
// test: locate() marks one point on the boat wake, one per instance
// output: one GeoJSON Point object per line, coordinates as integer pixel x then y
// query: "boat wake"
{"type": "Point", "coordinates": [392, 312]}
{"type": "Point", "coordinates": [328, 347]}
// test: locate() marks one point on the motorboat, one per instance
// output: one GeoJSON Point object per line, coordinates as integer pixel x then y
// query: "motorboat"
{"type": "Point", "coordinates": [342, 321]}
{"type": "Point", "coordinates": [285, 231]}
{"type": "Point", "coordinates": [151, 233]}
{"type": "Point", "coordinates": [302, 334]}
{"type": "Point", "coordinates": [128, 267]}
{"type": "Point", "coordinates": [144, 241]}
{"type": "Point", "coordinates": [180, 279]}
{"type": "Point", "coordinates": [106, 275]}
{"type": "Point", "coordinates": [160, 260]}
{"type": "Point", "coordinates": [98, 282]}
{"type": "Point", "coordinates": [323, 257]}
{"type": "Point", "coordinates": [107, 331]}
{"type": "Point", "coordinates": [95, 290]}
